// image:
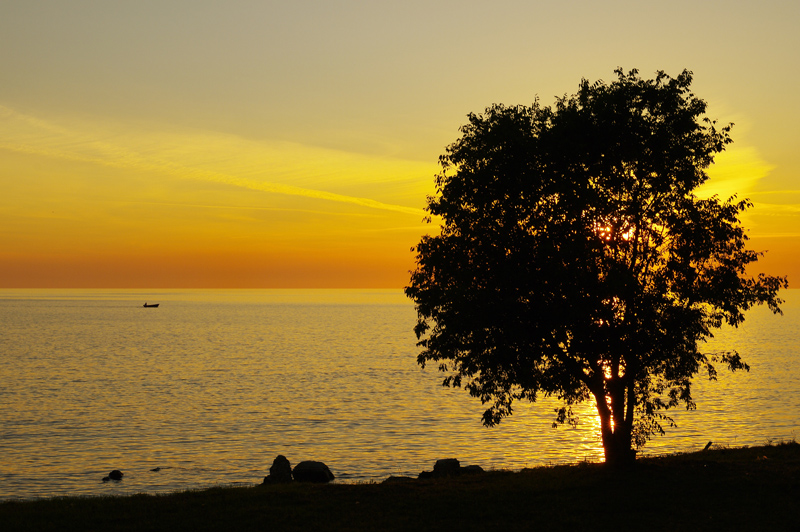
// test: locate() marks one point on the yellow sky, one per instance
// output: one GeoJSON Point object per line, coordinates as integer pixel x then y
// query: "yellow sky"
{"type": "Point", "coordinates": [292, 144]}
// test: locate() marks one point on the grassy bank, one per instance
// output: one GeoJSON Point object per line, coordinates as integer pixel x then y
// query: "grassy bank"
{"type": "Point", "coordinates": [756, 488]}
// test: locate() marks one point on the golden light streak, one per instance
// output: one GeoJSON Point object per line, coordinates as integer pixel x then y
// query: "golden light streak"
{"type": "Point", "coordinates": [53, 141]}
{"type": "Point", "coordinates": [736, 171]}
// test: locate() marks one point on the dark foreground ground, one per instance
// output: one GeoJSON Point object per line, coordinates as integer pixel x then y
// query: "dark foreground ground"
{"type": "Point", "coordinates": [756, 488]}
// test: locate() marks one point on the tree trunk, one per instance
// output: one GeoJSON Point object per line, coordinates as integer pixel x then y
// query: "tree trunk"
{"type": "Point", "coordinates": [616, 436]}
{"type": "Point", "coordinates": [618, 451]}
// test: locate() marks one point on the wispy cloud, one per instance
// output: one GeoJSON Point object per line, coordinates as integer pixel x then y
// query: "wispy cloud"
{"type": "Point", "coordinates": [776, 209]}
{"type": "Point", "coordinates": [245, 207]}
{"type": "Point", "coordinates": [774, 192]}
{"type": "Point", "coordinates": [736, 171]}
{"type": "Point", "coordinates": [31, 135]}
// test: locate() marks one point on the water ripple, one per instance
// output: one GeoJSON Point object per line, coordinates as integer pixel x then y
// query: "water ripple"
{"type": "Point", "coordinates": [212, 385]}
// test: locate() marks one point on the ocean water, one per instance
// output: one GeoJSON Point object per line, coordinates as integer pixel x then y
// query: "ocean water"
{"type": "Point", "coordinates": [213, 384]}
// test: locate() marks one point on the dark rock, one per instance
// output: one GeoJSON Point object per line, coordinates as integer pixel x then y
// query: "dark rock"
{"type": "Point", "coordinates": [114, 475]}
{"type": "Point", "coordinates": [280, 472]}
{"type": "Point", "coordinates": [446, 467]}
{"type": "Point", "coordinates": [449, 467]}
{"type": "Point", "coordinates": [471, 470]}
{"type": "Point", "coordinates": [311, 471]}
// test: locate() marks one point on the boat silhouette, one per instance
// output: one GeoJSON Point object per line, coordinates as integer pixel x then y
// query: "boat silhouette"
{"type": "Point", "coordinates": [153, 305]}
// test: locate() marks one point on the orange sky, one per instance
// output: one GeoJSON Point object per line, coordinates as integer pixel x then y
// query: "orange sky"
{"type": "Point", "coordinates": [204, 144]}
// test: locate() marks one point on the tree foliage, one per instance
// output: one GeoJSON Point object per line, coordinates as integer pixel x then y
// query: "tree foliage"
{"type": "Point", "coordinates": [575, 260]}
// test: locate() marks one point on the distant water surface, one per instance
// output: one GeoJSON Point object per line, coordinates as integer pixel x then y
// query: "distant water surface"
{"type": "Point", "coordinates": [213, 384]}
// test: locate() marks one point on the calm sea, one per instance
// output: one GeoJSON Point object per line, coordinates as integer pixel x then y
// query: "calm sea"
{"type": "Point", "coordinates": [213, 384]}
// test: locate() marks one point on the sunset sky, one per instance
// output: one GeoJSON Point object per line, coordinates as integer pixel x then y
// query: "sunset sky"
{"type": "Point", "coordinates": [197, 143]}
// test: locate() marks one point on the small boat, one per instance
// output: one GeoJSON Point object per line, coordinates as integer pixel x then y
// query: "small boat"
{"type": "Point", "coordinates": [154, 305]}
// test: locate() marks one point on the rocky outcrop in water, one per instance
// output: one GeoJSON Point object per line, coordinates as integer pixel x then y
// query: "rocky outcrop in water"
{"type": "Point", "coordinates": [308, 471]}
{"type": "Point", "coordinates": [280, 472]}
{"type": "Point", "coordinates": [114, 475]}
{"type": "Point", "coordinates": [311, 471]}
{"type": "Point", "coordinates": [450, 467]}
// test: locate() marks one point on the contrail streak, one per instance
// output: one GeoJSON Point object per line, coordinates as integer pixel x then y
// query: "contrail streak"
{"type": "Point", "coordinates": [57, 142]}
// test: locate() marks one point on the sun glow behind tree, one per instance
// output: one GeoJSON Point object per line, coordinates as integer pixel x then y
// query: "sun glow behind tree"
{"type": "Point", "coordinates": [575, 260]}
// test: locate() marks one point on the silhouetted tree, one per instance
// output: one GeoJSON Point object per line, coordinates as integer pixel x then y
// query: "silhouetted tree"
{"type": "Point", "coordinates": [575, 260]}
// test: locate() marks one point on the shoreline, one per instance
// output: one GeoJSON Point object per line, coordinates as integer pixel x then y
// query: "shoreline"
{"type": "Point", "coordinates": [747, 488]}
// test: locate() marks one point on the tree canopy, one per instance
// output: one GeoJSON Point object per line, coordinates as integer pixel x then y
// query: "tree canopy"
{"type": "Point", "coordinates": [575, 259]}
